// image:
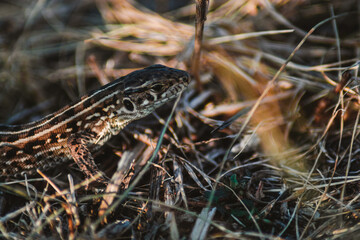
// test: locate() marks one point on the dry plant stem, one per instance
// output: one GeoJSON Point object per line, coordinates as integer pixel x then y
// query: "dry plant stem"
{"type": "Point", "coordinates": [346, 76]}
{"type": "Point", "coordinates": [344, 79]}
{"type": "Point", "coordinates": [242, 36]}
{"type": "Point", "coordinates": [336, 36]}
{"type": "Point", "coordinates": [73, 202]}
{"type": "Point", "coordinates": [201, 11]}
{"type": "Point", "coordinates": [118, 177]}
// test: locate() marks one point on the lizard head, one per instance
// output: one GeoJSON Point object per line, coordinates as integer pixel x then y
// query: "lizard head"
{"type": "Point", "coordinates": [149, 88]}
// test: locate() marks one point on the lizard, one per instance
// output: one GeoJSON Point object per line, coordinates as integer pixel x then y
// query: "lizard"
{"type": "Point", "coordinates": [80, 128]}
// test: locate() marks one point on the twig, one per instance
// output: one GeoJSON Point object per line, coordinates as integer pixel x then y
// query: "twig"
{"type": "Point", "coordinates": [201, 11]}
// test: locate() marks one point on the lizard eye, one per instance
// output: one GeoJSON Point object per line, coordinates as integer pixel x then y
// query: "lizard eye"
{"type": "Point", "coordinates": [157, 87]}
{"type": "Point", "coordinates": [128, 105]}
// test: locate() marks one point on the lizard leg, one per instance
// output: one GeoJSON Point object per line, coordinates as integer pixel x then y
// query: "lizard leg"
{"type": "Point", "coordinates": [77, 144]}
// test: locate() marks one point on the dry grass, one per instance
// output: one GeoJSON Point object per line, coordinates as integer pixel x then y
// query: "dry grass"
{"type": "Point", "coordinates": [286, 166]}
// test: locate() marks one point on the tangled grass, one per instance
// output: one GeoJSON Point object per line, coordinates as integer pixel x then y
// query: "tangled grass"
{"type": "Point", "coordinates": [263, 146]}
